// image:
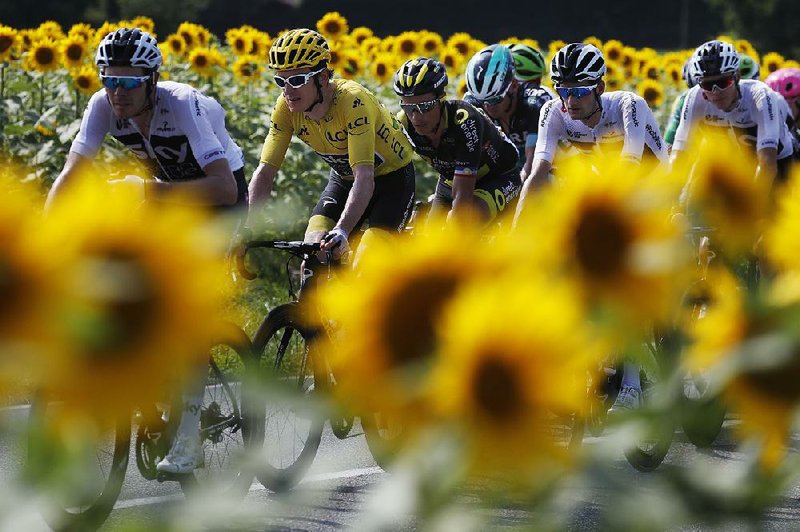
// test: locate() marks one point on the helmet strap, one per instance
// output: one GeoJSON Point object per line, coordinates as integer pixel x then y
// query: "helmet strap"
{"type": "Point", "coordinates": [149, 96]}
{"type": "Point", "coordinates": [320, 98]}
{"type": "Point", "coordinates": [597, 109]}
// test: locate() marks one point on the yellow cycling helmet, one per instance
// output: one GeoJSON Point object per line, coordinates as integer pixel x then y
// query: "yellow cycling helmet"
{"type": "Point", "coordinates": [298, 48]}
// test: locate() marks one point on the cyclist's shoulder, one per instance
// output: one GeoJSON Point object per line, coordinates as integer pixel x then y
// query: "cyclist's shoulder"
{"type": "Point", "coordinates": [534, 94]}
{"type": "Point", "coordinates": [350, 96]}
{"type": "Point", "coordinates": [550, 109]}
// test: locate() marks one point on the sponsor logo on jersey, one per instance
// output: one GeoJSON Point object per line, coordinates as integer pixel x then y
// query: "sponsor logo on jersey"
{"type": "Point", "coordinates": [357, 103]}
{"type": "Point", "coordinates": [214, 153]}
{"type": "Point", "coordinates": [327, 200]}
{"type": "Point", "coordinates": [165, 128]}
{"type": "Point", "coordinates": [303, 131]}
{"type": "Point", "coordinates": [358, 122]}
{"type": "Point", "coordinates": [338, 136]}
{"type": "Point", "coordinates": [653, 135]}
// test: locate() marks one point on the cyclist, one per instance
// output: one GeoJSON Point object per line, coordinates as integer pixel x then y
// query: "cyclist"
{"type": "Point", "coordinates": [175, 130]}
{"type": "Point", "coordinates": [786, 82]}
{"type": "Point", "coordinates": [180, 135]}
{"type": "Point", "coordinates": [748, 69]}
{"type": "Point", "coordinates": [514, 106]}
{"type": "Point", "coordinates": [748, 108]}
{"type": "Point", "coordinates": [476, 162]}
{"type": "Point", "coordinates": [371, 175]}
{"type": "Point", "coordinates": [529, 66]}
{"type": "Point", "coordinates": [591, 119]}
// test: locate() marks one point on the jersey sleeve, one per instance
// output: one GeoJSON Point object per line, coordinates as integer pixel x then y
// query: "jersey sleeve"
{"type": "Point", "coordinates": [688, 113]}
{"type": "Point", "coordinates": [192, 118]}
{"type": "Point", "coordinates": [674, 119]}
{"type": "Point", "coordinates": [279, 136]}
{"type": "Point", "coordinates": [551, 130]}
{"type": "Point", "coordinates": [767, 116]}
{"type": "Point", "coordinates": [361, 114]}
{"type": "Point", "coordinates": [95, 124]}
{"type": "Point", "coordinates": [635, 114]}
{"type": "Point", "coordinates": [467, 156]}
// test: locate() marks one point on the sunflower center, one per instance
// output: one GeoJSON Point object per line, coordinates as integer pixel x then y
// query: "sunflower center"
{"type": "Point", "coordinates": [778, 383]}
{"type": "Point", "coordinates": [45, 56]}
{"type": "Point", "coordinates": [5, 43]}
{"type": "Point", "coordinates": [730, 198]}
{"type": "Point", "coordinates": [407, 46]}
{"type": "Point", "coordinates": [651, 95]}
{"type": "Point", "coordinates": [239, 44]}
{"type": "Point", "coordinates": [380, 69]}
{"type": "Point", "coordinates": [429, 46]}
{"type": "Point", "coordinates": [201, 61]}
{"type": "Point", "coordinates": [613, 54]}
{"type": "Point", "coordinates": [496, 390]}
{"type": "Point", "coordinates": [461, 47]}
{"type": "Point", "coordinates": [187, 38]}
{"type": "Point", "coordinates": [83, 82]}
{"type": "Point", "coordinates": [333, 27]}
{"type": "Point", "coordinates": [74, 52]}
{"type": "Point", "coordinates": [409, 323]}
{"type": "Point", "coordinates": [602, 239]}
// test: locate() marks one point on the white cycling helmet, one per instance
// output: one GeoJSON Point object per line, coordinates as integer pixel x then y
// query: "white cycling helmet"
{"type": "Point", "coordinates": [129, 47]}
{"type": "Point", "coordinates": [578, 63]}
{"type": "Point", "coordinates": [715, 58]}
{"type": "Point", "coordinates": [490, 73]}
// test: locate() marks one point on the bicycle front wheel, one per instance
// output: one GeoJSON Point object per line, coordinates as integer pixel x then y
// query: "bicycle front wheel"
{"type": "Point", "coordinates": [79, 473]}
{"type": "Point", "coordinates": [290, 423]}
{"type": "Point", "coordinates": [228, 421]}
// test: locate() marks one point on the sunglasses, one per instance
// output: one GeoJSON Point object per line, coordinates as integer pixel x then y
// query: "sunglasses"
{"type": "Point", "coordinates": [296, 81]}
{"type": "Point", "coordinates": [717, 84]}
{"type": "Point", "coordinates": [575, 92]}
{"type": "Point", "coordinates": [128, 83]}
{"type": "Point", "coordinates": [420, 108]}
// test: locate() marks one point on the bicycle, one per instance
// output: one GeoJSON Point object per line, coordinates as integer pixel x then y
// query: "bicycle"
{"type": "Point", "coordinates": [293, 424]}
{"type": "Point", "coordinates": [90, 493]}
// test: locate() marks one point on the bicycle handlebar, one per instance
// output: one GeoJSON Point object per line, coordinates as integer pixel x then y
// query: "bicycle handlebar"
{"type": "Point", "coordinates": [295, 247]}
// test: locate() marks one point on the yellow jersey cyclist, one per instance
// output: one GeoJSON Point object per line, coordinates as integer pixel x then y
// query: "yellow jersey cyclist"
{"type": "Point", "coordinates": [180, 135]}
{"type": "Point", "coordinates": [476, 162]}
{"type": "Point", "coordinates": [514, 106]}
{"type": "Point", "coordinates": [749, 109]}
{"type": "Point", "coordinates": [588, 118]}
{"type": "Point", "coordinates": [175, 130]}
{"type": "Point", "coordinates": [371, 177]}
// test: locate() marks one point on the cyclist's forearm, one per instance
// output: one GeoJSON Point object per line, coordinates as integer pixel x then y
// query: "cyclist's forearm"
{"type": "Point", "coordinates": [218, 187]}
{"type": "Point", "coordinates": [73, 166]}
{"type": "Point", "coordinates": [261, 183]}
{"type": "Point", "coordinates": [358, 199]}
{"type": "Point", "coordinates": [767, 165]}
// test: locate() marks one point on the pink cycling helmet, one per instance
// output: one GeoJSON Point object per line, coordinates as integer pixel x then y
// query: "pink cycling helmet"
{"type": "Point", "coordinates": [785, 82]}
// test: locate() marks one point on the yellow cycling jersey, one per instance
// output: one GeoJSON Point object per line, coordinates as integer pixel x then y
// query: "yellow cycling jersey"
{"type": "Point", "coordinates": [357, 129]}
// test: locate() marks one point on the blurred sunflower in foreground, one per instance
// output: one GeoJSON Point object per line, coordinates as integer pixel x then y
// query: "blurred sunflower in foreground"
{"type": "Point", "coordinates": [607, 227]}
{"type": "Point", "coordinates": [144, 287]}
{"type": "Point", "coordinates": [510, 380]}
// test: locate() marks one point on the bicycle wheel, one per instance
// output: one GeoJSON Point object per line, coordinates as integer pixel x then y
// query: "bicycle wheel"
{"type": "Point", "coordinates": [290, 424]}
{"type": "Point", "coordinates": [648, 451]}
{"type": "Point", "coordinates": [702, 414]}
{"type": "Point", "coordinates": [384, 436]}
{"type": "Point", "coordinates": [227, 423]}
{"type": "Point", "coordinates": [80, 473]}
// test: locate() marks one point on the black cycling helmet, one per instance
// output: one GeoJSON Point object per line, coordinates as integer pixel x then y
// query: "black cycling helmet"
{"type": "Point", "coordinates": [577, 62]}
{"type": "Point", "coordinates": [715, 58]}
{"type": "Point", "coordinates": [420, 76]}
{"type": "Point", "coordinates": [129, 47]}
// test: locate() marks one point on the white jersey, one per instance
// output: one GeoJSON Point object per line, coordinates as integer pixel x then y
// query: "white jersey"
{"type": "Point", "coordinates": [626, 124]}
{"type": "Point", "coordinates": [758, 119]}
{"type": "Point", "coordinates": [187, 132]}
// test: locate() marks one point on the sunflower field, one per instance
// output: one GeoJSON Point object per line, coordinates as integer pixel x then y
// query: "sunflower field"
{"type": "Point", "coordinates": [490, 350]}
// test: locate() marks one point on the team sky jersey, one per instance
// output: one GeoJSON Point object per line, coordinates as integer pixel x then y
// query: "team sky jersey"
{"type": "Point", "coordinates": [356, 130]}
{"type": "Point", "coordinates": [187, 132]}
{"type": "Point", "coordinates": [626, 125]}
{"type": "Point", "coordinates": [470, 144]}
{"type": "Point", "coordinates": [757, 119]}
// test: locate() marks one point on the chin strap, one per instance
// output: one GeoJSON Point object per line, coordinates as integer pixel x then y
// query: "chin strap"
{"type": "Point", "coordinates": [597, 109]}
{"type": "Point", "coordinates": [148, 98]}
{"type": "Point", "coordinates": [319, 99]}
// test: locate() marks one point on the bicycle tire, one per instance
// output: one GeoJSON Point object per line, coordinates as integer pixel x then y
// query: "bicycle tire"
{"type": "Point", "coordinates": [227, 422]}
{"type": "Point", "coordinates": [112, 458]}
{"type": "Point", "coordinates": [702, 416]}
{"type": "Point", "coordinates": [384, 440]}
{"type": "Point", "coordinates": [286, 363]}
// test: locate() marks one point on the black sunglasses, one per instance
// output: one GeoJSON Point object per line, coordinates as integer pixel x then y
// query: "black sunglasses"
{"type": "Point", "coordinates": [420, 108]}
{"type": "Point", "coordinates": [717, 84]}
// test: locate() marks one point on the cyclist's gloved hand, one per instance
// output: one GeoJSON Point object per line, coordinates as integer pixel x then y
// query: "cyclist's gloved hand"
{"type": "Point", "coordinates": [335, 240]}
{"type": "Point", "coordinates": [133, 184]}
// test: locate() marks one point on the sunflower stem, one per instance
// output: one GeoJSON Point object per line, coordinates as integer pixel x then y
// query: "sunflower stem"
{"type": "Point", "coordinates": [77, 103]}
{"type": "Point", "coordinates": [2, 80]}
{"type": "Point", "coordinates": [41, 94]}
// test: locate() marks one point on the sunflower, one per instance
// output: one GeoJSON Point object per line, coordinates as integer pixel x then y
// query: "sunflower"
{"type": "Point", "coordinates": [612, 50]}
{"type": "Point", "coordinates": [351, 63]}
{"type": "Point", "coordinates": [360, 33]}
{"type": "Point", "coordinates": [86, 79]}
{"type": "Point", "coordinates": [772, 62]}
{"type": "Point", "coordinates": [406, 44]}
{"type": "Point", "coordinates": [43, 56]}
{"type": "Point", "coordinates": [260, 43]}
{"type": "Point", "coordinates": [82, 30]}
{"type": "Point", "coordinates": [452, 60]}
{"type": "Point", "coordinates": [248, 68]}
{"type": "Point", "coordinates": [609, 230]}
{"type": "Point", "coordinates": [790, 63]}
{"type": "Point", "coordinates": [475, 45]}
{"type": "Point", "coordinates": [652, 92]}
{"type": "Point", "coordinates": [144, 24]}
{"type": "Point", "coordinates": [723, 194]}
{"type": "Point", "coordinates": [188, 32]}
{"type": "Point", "coordinates": [382, 67]}
{"type": "Point", "coordinates": [137, 290]}
{"type": "Point", "coordinates": [743, 46]}
{"type": "Point", "coordinates": [390, 347]}
{"type": "Point", "coordinates": [430, 44]}
{"type": "Point", "coordinates": [725, 38]}
{"type": "Point", "coordinates": [206, 61]}
{"type": "Point", "coordinates": [461, 89]}
{"type": "Point", "coordinates": [387, 44]}
{"type": "Point", "coordinates": [102, 31]}
{"type": "Point", "coordinates": [73, 52]}
{"type": "Point", "coordinates": [512, 359]}
{"type": "Point", "coordinates": [596, 42]}
{"type": "Point", "coordinates": [554, 47]}
{"type": "Point", "coordinates": [175, 45]}
{"type": "Point", "coordinates": [784, 232]}
{"type": "Point", "coordinates": [461, 43]}
{"type": "Point", "coordinates": [51, 29]}
{"type": "Point", "coordinates": [674, 73]}
{"type": "Point", "coordinates": [651, 69]}
{"type": "Point", "coordinates": [26, 38]}
{"type": "Point", "coordinates": [332, 25]}
{"type": "Point", "coordinates": [371, 47]}
{"type": "Point", "coordinates": [613, 82]}
{"type": "Point", "coordinates": [628, 60]}
{"type": "Point", "coordinates": [8, 39]}
{"type": "Point", "coordinates": [241, 42]}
